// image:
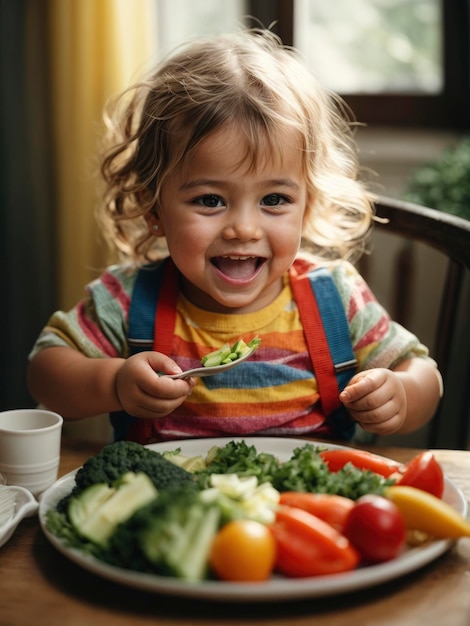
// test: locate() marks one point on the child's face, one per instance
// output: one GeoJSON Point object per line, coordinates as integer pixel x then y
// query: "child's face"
{"type": "Point", "coordinates": [233, 231]}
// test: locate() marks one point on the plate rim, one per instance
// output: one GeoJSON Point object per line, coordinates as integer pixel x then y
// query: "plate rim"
{"type": "Point", "coordinates": [276, 589]}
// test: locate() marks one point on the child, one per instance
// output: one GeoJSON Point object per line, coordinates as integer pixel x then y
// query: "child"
{"type": "Point", "coordinates": [233, 156]}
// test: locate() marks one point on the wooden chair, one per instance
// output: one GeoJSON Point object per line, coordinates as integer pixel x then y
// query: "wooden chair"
{"type": "Point", "coordinates": [450, 346]}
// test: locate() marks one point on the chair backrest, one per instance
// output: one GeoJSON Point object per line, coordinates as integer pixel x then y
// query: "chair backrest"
{"type": "Point", "coordinates": [450, 235]}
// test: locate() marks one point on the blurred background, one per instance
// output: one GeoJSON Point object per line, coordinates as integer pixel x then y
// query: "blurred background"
{"type": "Point", "coordinates": [402, 66]}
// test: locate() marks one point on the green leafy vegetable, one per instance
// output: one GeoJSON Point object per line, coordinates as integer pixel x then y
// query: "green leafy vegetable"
{"type": "Point", "coordinates": [304, 471]}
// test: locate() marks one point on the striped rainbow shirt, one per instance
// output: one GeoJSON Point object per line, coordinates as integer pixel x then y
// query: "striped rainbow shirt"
{"type": "Point", "coordinates": [275, 392]}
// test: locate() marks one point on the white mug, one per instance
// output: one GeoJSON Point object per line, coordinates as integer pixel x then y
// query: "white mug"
{"type": "Point", "coordinates": [30, 448]}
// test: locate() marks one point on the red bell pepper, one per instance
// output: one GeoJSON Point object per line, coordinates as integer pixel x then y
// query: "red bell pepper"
{"type": "Point", "coordinates": [308, 546]}
{"type": "Point", "coordinates": [332, 509]}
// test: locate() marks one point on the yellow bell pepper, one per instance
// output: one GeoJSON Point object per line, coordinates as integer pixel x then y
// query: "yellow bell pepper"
{"type": "Point", "coordinates": [424, 512]}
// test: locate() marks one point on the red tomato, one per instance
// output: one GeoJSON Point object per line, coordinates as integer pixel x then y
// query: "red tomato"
{"type": "Point", "coordinates": [425, 473]}
{"type": "Point", "coordinates": [330, 508]}
{"type": "Point", "coordinates": [376, 527]}
{"type": "Point", "coordinates": [336, 459]}
{"type": "Point", "coordinates": [243, 550]}
{"type": "Point", "coordinates": [308, 546]}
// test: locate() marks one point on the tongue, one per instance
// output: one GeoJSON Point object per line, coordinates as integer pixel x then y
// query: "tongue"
{"type": "Point", "coordinates": [236, 269]}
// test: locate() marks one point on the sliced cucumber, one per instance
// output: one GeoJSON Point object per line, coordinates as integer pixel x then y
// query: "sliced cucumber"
{"type": "Point", "coordinates": [227, 354]}
{"type": "Point", "coordinates": [97, 511]}
{"type": "Point", "coordinates": [83, 507]}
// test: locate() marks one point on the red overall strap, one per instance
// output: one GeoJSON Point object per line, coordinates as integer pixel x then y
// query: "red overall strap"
{"type": "Point", "coordinates": [317, 342]}
{"type": "Point", "coordinates": [141, 430]}
{"type": "Point", "coordinates": [165, 314]}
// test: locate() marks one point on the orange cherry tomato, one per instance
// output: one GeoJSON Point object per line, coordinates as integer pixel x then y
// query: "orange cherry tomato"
{"type": "Point", "coordinates": [332, 509]}
{"type": "Point", "coordinates": [243, 550]}
{"type": "Point", "coordinates": [336, 459]}
{"type": "Point", "coordinates": [308, 546]}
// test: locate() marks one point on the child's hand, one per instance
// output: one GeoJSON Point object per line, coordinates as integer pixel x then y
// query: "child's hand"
{"type": "Point", "coordinates": [376, 399]}
{"type": "Point", "coordinates": [143, 393]}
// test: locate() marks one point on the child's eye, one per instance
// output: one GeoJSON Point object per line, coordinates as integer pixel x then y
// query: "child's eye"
{"type": "Point", "coordinates": [273, 199]}
{"type": "Point", "coordinates": [210, 201]}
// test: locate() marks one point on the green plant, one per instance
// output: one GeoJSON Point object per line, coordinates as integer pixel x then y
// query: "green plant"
{"type": "Point", "coordinates": [444, 183]}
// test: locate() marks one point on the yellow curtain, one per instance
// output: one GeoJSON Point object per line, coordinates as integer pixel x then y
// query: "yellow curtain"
{"type": "Point", "coordinates": [98, 48]}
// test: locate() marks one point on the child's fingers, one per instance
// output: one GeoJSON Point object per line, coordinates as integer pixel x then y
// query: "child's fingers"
{"type": "Point", "coordinates": [161, 363]}
{"type": "Point", "coordinates": [363, 384]}
{"type": "Point", "coordinates": [357, 388]}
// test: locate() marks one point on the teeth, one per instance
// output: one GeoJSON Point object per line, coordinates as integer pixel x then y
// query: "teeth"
{"type": "Point", "coordinates": [239, 258]}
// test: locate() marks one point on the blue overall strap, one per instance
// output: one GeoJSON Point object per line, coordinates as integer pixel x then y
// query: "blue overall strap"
{"type": "Point", "coordinates": [141, 321]}
{"type": "Point", "coordinates": [335, 325]}
{"type": "Point", "coordinates": [328, 340]}
{"type": "Point", "coordinates": [143, 306]}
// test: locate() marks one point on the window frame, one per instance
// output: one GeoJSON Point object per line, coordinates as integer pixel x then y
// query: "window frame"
{"type": "Point", "coordinates": [449, 109]}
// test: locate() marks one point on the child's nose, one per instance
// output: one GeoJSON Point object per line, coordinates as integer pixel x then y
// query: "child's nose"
{"type": "Point", "coordinates": [243, 225]}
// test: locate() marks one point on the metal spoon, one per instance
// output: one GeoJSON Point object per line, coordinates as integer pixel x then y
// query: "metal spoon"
{"type": "Point", "coordinates": [210, 371]}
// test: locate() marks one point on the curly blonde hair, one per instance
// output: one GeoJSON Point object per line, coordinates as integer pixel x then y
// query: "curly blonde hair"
{"type": "Point", "coordinates": [252, 80]}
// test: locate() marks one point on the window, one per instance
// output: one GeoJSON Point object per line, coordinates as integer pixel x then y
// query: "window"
{"type": "Point", "coordinates": [182, 20]}
{"type": "Point", "coordinates": [384, 46]}
{"type": "Point", "coordinates": [396, 62]}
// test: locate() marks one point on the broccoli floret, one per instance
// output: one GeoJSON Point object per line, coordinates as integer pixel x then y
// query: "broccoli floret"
{"type": "Point", "coordinates": [116, 459]}
{"type": "Point", "coordinates": [171, 536]}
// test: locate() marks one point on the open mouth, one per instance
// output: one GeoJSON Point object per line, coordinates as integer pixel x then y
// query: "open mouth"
{"type": "Point", "coordinates": [238, 267]}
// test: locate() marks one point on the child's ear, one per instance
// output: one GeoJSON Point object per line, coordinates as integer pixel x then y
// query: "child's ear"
{"type": "Point", "coordinates": [145, 199]}
{"type": "Point", "coordinates": [154, 224]}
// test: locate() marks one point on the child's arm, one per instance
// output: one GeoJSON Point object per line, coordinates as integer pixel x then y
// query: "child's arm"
{"type": "Point", "coordinates": [401, 400]}
{"type": "Point", "coordinates": [76, 386]}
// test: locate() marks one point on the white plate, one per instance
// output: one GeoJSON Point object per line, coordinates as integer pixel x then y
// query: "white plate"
{"type": "Point", "coordinates": [276, 588]}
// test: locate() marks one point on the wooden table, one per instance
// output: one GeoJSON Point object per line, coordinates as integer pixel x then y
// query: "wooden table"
{"type": "Point", "coordinates": [38, 586]}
